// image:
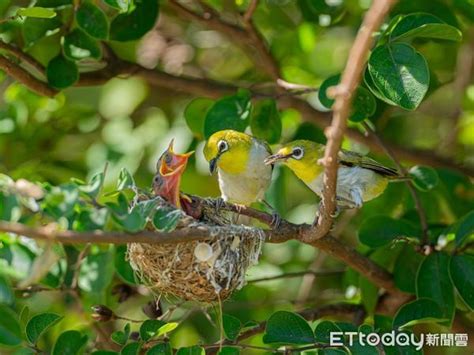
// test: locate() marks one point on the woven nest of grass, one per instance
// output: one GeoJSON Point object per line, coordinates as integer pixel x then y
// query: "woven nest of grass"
{"type": "Point", "coordinates": [203, 271]}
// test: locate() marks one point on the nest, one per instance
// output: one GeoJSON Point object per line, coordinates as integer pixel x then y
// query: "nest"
{"type": "Point", "coordinates": [203, 271]}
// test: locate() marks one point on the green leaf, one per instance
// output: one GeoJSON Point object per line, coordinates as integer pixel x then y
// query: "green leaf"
{"type": "Point", "coordinates": [433, 282]}
{"type": "Point", "coordinates": [380, 230]}
{"type": "Point", "coordinates": [424, 178]}
{"type": "Point", "coordinates": [422, 310]}
{"type": "Point", "coordinates": [122, 266]}
{"type": "Point", "coordinates": [265, 122]}
{"type": "Point", "coordinates": [92, 189]}
{"type": "Point", "coordinates": [61, 72]}
{"type": "Point", "coordinates": [36, 12]}
{"type": "Point", "coordinates": [229, 350]}
{"type": "Point", "coordinates": [465, 228]}
{"type": "Point", "coordinates": [231, 112]}
{"type": "Point", "coordinates": [400, 74]}
{"type": "Point", "coordinates": [69, 343]}
{"type": "Point", "coordinates": [232, 326]}
{"type": "Point", "coordinates": [167, 328]}
{"type": "Point", "coordinates": [7, 297]}
{"type": "Point", "coordinates": [125, 180]}
{"type": "Point", "coordinates": [38, 324]}
{"type": "Point", "coordinates": [325, 100]}
{"type": "Point", "coordinates": [36, 28]}
{"type": "Point", "coordinates": [323, 330]}
{"type": "Point", "coordinates": [10, 331]}
{"type": "Point", "coordinates": [96, 274]}
{"type": "Point", "coordinates": [363, 104]}
{"type": "Point", "coordinates": [403, 275]}
{"type": "Point", "coordinates": [191, 350]}
{"type": "Point", "coordinates": [369, 294]}
{"type": "Point", "coordinates": [310, 132]}
{"type": "Point", "coordinates": [359, 349]}
{"type": "Point", "coordinates": [195, 114]}
{"type": "Point", "coordinates": [122, 5]}
{"type": "Point", "coordinates": [134, 25]}
{"type": "Point", "coordinates": [131, 349]}
{"type": "Point", "coordinates": [287, 327]}
{"type": "Point", "coordinates": [462, 274]}
{"type": "Point", "coordinates": [79, 45]}
{"type": "Point", "coordinates": [160, 349]}
{"type": "Point", "coordinates": [92, 20]}
{"type": "Point", "coordinates": [423, 25]}
{"type": "Point", "coordinates": [166, 219]}
{"type": "Point", "coordinates": [121, 337]}
{"type": "Point", "coordinates": [149, 328]}
{"type": "Point", "coordinates": [130, 221]}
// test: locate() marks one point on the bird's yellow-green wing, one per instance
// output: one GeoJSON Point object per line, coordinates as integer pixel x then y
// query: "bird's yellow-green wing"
{"type": "Point", "coordinates": [348, 158]}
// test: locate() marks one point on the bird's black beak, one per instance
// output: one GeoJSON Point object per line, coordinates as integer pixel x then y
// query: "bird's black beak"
{"type": "Point", "coordinates": [272, 159]}
{"type": "Point", "coordinates": [213, 164]}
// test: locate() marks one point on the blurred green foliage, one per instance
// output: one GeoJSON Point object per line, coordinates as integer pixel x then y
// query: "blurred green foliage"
{"type": "Point", "coordinates": [415, 92]}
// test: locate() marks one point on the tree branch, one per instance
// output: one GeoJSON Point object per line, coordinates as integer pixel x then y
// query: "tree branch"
{"type": "Point", "coordinates": [343, 94]}
{"type": "Point", "coordinates": [20, 55]}
{"type": "Point", "coordinates": [21, 75]}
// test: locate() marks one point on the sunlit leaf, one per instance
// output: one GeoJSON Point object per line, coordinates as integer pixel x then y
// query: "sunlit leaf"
{"type": "Point", "coordinates": [36, 12]}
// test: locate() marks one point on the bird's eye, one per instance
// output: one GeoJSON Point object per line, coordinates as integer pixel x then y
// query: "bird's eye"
{"type": "Point", "coordinates": [222, 146]}
{"type": "Point", "coordinates": [297, 153]}
{"type": "Point", "coordinates": [157, 180]}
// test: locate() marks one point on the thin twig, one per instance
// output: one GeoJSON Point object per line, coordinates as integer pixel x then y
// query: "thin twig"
{"type": "Point", "coordinates": [250, 11]}
{"type": "Point", "coordinates": [416, 199]}
{"type": "Point", "coordinates": [24, 57]}
{"type": "Point", "coordinates": [343, 96]}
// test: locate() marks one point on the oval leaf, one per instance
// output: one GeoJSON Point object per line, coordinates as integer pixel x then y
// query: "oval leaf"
{"type": "Point", "coordinates": [266, 121]}
{"type": "Point", "coordinates": [38, 324]}
{"type": "Point", "coordinates": [232, 326]}
{"type": "Point", "coordinates": [92, 20]}
{"type": "Point", "coordinates": [424, 178]}
{"type": "Point", "coordinates": [131, 349]}
{"type": "Point", "coordinates": [78, 45]}
{"type": "Point", "coordinates": [69, 343]}
{"type": "Point", "coordinates": [195, 114]}
{"type": "Point", "coordinates": [10, 331]}
{"type": "Point", "coordinates": [400, 74]}
{"type": "Point", "coordinates": [423, 25]}
{"type": "Point", "coordinates": [422, 310]}
{"type": "Point", "coordinates": [433, 281]}
{"type": "Point", "coordinates": [7, 296]}
{"type": "Point", "coordinates": [36, 12]}
{"type": "Point", "coordinates": [134, 25]}
{"type": "Point", "coordinates": [462, 273]}
{"type": "Point", "coordinates": [61, 72]}
{"type": "Point", "coordinates": [287, 327]}
{"type": "Point", "coordinates": [231, 112]}
{"type": "Point", "coordinates": [149, 328]}
{"type": "Point", "coordinates": [465, 228]}
{"type": "Point", "coordinates": [380, 230]}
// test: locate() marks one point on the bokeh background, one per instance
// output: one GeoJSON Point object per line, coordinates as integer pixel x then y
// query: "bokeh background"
{"type": "Point", "coordinates": [126, 123]}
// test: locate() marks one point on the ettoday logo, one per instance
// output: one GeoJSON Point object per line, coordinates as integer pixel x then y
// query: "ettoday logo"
{"type": "Point", "coordinates": [394, 338]}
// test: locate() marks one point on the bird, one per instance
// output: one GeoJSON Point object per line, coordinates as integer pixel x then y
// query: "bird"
{"type": "Point", "coordinates": [167, 180]}
{"type": "Point", "coordinates": [238, 159]}
{"type": "Point", "coordinates": [359, 178]}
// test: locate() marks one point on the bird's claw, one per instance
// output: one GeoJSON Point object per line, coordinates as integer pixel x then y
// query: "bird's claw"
{"type": "Point", "coordinates": [276, 220]}
{"type": "Point", "coordinates": [218, 204]}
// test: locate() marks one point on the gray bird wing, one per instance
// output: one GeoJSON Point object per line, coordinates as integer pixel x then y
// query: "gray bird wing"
{"type": "Point", "coordinates": [348, 158]}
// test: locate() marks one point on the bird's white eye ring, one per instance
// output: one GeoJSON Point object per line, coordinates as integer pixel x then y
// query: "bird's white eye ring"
{"type": "Point", "coordinates": [297, 153]}
{"type": "Point", "coordinates": [222, 146]}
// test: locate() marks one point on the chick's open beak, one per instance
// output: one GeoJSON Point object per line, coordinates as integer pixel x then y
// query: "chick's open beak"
{"type": "Point", "coordinates": [168, 178]}
{"type": "Point", "coordinates": [272, 159]}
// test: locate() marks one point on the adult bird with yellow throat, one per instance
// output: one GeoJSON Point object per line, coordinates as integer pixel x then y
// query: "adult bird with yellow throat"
{"type": "Point", "coordinates": [359, 178]}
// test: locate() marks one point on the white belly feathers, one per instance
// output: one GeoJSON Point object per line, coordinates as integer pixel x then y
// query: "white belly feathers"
{"type": "Point", "coordinates": [250, 185]}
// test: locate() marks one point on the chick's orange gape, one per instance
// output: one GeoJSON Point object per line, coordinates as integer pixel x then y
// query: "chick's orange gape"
{"type": "Point", "coordinates": [167, 181]}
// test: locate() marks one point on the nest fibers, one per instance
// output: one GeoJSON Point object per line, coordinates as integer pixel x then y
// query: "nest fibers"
{"type": "Point", "coordinates": [203, 271]}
